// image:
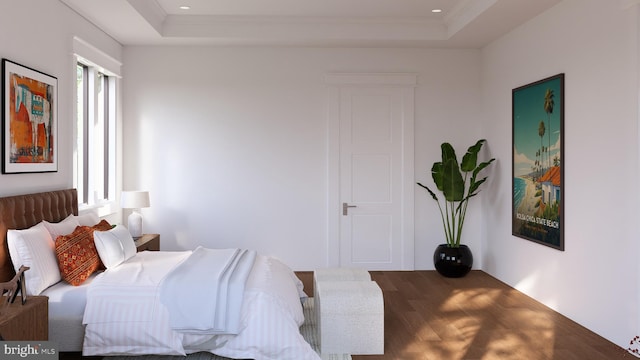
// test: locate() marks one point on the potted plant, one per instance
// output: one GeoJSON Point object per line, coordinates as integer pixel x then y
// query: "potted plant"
{"type": "Point", "coordinates": [457, 186]}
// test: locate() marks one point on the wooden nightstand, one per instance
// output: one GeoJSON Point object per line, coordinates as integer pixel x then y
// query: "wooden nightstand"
{"type": "Point", "coordinates": [25, 322]}
{"type": "Point", "coordinates": [149, 242]}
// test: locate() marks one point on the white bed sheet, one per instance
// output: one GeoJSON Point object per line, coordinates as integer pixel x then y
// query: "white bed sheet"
{"type": "Point", "coordinates": [270, 320]}
{"type": "Point", "coordinates": [66, 308]}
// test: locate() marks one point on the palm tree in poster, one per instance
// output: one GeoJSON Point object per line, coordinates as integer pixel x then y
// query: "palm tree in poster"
{"type": "Point", "coordinates": [548, 108]}
{"type": "Point", "coordinates": [541, 131]}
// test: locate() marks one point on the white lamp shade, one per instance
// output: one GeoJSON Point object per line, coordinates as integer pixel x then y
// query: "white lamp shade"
{"type": "Point", "coordinates": [134, 199]}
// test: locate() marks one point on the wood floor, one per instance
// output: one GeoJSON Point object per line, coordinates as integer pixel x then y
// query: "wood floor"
{"type": "Point", "coordinates": [429, 317]}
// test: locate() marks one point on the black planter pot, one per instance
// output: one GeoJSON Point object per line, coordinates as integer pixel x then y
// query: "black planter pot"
{"type": "Point", "coordinates": [453, 262]}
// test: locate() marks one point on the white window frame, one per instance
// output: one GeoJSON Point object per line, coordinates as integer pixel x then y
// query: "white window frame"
{"type": "Point", "coordinates": [97, 62]}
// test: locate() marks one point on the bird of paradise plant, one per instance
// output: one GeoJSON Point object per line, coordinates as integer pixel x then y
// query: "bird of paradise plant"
{"type": "Point", "coordinates": [451, 178]}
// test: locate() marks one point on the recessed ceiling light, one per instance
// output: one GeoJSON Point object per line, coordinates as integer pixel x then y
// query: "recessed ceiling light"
{"type": "Point", "coordinates": [185, 7]}
{"type": "Point", "coordinates": [436, 10]}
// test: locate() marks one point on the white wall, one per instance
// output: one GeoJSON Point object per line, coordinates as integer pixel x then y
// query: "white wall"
{"type": "Point", "coordinates": [39, 34]}
{"type": "Point", "coordinates": [232, 142]}
{"type": "Point", "coordinates": [595, 280]}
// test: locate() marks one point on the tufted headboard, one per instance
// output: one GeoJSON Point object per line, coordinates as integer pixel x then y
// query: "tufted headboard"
{"type": "Point", "coordinates": [24, 211]}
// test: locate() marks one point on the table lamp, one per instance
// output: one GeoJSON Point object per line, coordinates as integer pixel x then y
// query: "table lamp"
{"type": "Point", "coordinates": [134, 200]}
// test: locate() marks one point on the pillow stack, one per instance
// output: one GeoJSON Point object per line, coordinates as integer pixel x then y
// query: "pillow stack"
{"type": "Point", "coordinates": [67, 250]}
{"type": "Point", "coordinates": [77, 255]}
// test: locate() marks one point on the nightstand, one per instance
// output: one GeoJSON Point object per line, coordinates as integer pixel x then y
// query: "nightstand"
{"type": "Point", "coordinates": [25, 322]}
{"type": "Point", "coordinates": [149, 242]}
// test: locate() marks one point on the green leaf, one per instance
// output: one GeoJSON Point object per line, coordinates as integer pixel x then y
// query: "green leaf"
{"type": "Point", "coordinates": [448, 152]}
{"type": "Point", "coordinates": [474, 185]}
{"type": "Point", "coordinates": [481, 166]}
{"type": "Point", "coordinates": [470, 159]}
{"type": "Point", "coordinates": [433, 195]}
{"type": "Point", "coordinates": [452, 182]}
{"type": "Point", "coordinates": [437, 172]}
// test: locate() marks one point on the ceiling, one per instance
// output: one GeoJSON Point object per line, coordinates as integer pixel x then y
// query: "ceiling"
{"type": "Point", "coordinates": [368, 23]}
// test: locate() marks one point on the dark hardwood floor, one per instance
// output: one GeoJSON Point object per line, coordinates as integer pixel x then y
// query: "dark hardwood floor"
{"type": "Point", "coordinates": [429, 317]}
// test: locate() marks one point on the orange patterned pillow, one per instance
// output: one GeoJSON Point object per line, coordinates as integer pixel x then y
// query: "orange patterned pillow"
{"type": "Point", "coordinates": [77, 255]}
{"type": "Point", "coordinates": [103, 225]}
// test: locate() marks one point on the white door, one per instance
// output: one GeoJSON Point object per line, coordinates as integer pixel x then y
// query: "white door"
{"type": "Point", "coordinates": [375, 166]}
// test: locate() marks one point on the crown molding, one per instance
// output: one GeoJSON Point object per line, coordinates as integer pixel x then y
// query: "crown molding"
{"type": "Point", "coordinates": [151, 11]}
{"type": "Point", "coordinates": [464, 13]}
{"type": "Point", "coordinates": [470, 24]}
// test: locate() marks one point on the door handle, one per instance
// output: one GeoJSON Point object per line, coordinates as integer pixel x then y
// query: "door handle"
{"type": "Point", "coordinates": [345, 208]}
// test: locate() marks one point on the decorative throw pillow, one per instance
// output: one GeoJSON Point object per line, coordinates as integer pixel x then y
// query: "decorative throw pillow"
{"type": "Point", "coordinates": [77, 255]}
{"type": "Point", "coordinates": [64, 227]}
{"type": "Point", "coordinates": [34, 248]}
{"type": "Point", "coordinates": [103, 225]}
{"type": "Point", "coordinates": [114, 246]}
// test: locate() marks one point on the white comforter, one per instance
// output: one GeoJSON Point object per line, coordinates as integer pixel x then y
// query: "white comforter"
{"type": "Point", "coordinates": [124, 314]}
{"type": "Point", "coordinates": [221, 276]}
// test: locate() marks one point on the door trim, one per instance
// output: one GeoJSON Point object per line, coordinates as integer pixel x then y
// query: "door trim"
{"type": "Point", "coordinates": [335, 82]}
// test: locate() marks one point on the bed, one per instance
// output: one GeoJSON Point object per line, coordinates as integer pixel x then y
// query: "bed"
{"type": "Point", "coordinates": [93, 316]}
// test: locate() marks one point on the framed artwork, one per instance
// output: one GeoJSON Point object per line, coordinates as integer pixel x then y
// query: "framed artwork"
{"type": "Point", "coordinates": [29, 120]}
{"type": "Point", "coordinates": [538, 162]}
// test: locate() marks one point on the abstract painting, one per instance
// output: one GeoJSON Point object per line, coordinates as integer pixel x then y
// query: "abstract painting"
{"type": "Point", "coordinates": [29, 121]}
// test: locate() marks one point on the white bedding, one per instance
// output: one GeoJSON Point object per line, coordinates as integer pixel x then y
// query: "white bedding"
{"type": "Point", "coordinates": [124, 314]}
{"type": "Point", "coordinates": [66, 308]}
{"type": "Point", "coordinates": [221, 275]}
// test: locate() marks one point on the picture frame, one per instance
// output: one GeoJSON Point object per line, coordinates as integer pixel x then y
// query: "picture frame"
{"type": "Point", "coordinates": [23, 288]}
{"type": "Point", "coordinates": [538, 162]}
{"type": "Point", "coordinates": [29, 120]}
{"type": "Point", "coordinates": [13, 295]}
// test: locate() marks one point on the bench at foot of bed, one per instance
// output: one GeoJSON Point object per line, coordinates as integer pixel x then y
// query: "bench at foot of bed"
{"type": "Point", "coordinates": [349, 312]}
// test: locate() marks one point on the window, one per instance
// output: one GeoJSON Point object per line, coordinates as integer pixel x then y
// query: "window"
{"type": "Point", "coordinates": [95, 135]}
{"type": "Point", "coordinates": [95, 146]}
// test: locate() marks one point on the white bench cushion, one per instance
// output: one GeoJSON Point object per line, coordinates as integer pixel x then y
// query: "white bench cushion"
{"type": "Point", "coordinates": [338, 274]}
{"type": "Point", "coordinates": [350, 317]}
{"type": "Point", "coordinates": [341, 274]}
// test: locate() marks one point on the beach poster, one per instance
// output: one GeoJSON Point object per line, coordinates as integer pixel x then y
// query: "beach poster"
{"type": "Point", "coordinates": [538, 161]}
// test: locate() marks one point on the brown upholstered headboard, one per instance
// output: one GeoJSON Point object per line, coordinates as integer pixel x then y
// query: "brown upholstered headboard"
{"type": "Point", "coordinates": [24, 211]}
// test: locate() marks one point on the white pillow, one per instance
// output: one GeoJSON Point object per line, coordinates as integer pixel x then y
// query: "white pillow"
{"type": "Point", "coordinates": [64, 227]}
{"type": "Point", "coordinates": [88, 219]}
{"type": "Point", "coordinates": [34, 248]}
{"type": "Point", "coordinates": [114, 246]}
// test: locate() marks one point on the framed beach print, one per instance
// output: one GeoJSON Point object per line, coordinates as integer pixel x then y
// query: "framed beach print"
{"type": "Point", "coordinates": [29, 120]}
{"type": "Point", "coordinates": [538, 162]}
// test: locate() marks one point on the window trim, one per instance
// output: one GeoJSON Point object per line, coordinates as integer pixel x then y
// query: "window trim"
{"type": "Point", "coordinates": [91, 57]}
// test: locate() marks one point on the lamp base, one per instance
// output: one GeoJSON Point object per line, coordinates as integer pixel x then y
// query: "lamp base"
{"type": "Point", "coordinates": [135, 224]}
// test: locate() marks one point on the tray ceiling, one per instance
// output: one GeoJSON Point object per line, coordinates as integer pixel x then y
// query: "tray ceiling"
{"type": "Point", "coordinates": [368, 23]}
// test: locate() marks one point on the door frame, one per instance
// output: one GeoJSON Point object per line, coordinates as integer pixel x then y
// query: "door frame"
{"type": "Point", "coordinates": [337, 81]}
